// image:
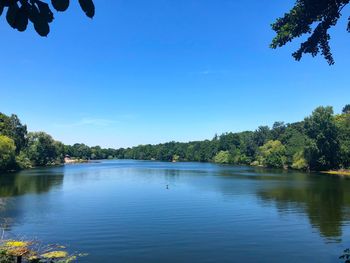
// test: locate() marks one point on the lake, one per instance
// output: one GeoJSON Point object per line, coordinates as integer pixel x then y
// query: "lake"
{"type": "Point", "coordinates": [123, 211]}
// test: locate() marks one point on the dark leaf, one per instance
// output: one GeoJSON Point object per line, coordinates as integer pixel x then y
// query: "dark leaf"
{"type": "Point", "coordinates": [22, 18]}
{"type": "Point", "coordinates": [1, 8]}
{"type": "Point", "coordinates": [11, 14]}
{"type": "Point", "coordinates": [6, 2]}
{"type": "Point", "coordinates": [33, 14]}
{"type": "Point", "coordinates": [45, 11]}
{"type": "Point", "coordinates": [42, 27]}
{"type": "Point", "coordinates": [88, 7]}
{"type": "Point", "coordinates": [60, 5]}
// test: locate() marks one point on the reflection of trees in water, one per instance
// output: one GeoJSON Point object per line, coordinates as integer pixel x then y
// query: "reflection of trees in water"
{"type": "Point", "coordinates": [26, 182]}
{"type": "Point", "coordinates": [324, 199]}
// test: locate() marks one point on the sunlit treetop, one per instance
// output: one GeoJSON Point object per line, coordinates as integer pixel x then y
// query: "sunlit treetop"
{"type": "Point", "coordinates": [20, 12]}
{"type": "Point", "coordinates": [313, 17]}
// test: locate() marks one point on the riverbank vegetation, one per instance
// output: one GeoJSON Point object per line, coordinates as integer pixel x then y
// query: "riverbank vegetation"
{"type": "Point", "coordinates": [33, 252]}
{"type": "Point", "coordinates": [320, 142]}
{"type": "Point", "coordinates": [20, 149]}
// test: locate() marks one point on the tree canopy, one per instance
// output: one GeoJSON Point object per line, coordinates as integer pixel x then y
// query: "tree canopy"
{"type": "Point", "coordinates": [346, 109]}
{"type": "Point", "coordinates": [313, 17]}
{"type": "Point", "coordinates": [7, 152]}
{"type": "Point", "coordinates": [12, 127]}
{"type": "Point", "coordinates": [20, 12]}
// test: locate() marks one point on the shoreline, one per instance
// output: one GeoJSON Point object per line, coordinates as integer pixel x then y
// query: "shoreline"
{"type": "Point", "coordinates": [342, 173]}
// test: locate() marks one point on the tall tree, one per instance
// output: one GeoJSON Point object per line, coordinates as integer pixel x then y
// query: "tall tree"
{"type": "Point", "coordinates": [42, 149]}
{"type": "Point", "coordinates": [262, 135]}
{"type": "Point", "coordinates": [343, 124]}
{"type": "Point", "coordinates": [323, 151]}
{"type": "Point", "coordinates": [7, 153]}
{"type": "Point", "coordinates": [313, 17]}
{"type": "Point", "coordinates": [14, 129]}
{"type": "Point", "coordinates": [272, 154]}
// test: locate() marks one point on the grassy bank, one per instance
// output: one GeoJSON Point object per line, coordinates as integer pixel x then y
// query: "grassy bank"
{"type": "Point", "coordinates": [338, 172]}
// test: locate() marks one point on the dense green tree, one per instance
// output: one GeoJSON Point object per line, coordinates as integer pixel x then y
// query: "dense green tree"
{"type": "Point", "coordinates": [346, 109]}
{"type": "Point", "coordinates": [343, 124]}
{"type": "Point", "coordinates": [278, 129]}
{"type": "Point", "coordinates": [323, 151]}
{"type": "Point", "coordinates": [227, 141]}
{"type": "Point", "coordinates": [248, 148]}
{"type": "Point", "coordinates": [295, 142]}
{"type": "Point", "coordinates": [222, 157]}
{"type": "Point", "coordinates": [262, 135]}
{"type": "Point", "coordinates": [23, 161]}
{"type": "Point", "coordinates": [79, 150]}
{"type": "Point", "coordinates": [7, 153]}
{"type": "Point", "coordinates": [313, 17]}
{"type": "Point", "coordinates": [299, 162]}
{"type": "Point", "coordinates": [42, 149]}
{"type": "Point", "coordinates": [12, 127]}
{"type": "Point", "coordinates": [20, 12]}
{"type": "Point", "coordinates": [272, 154]}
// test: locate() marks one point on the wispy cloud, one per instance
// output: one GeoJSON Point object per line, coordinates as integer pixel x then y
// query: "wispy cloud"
{"type": "Point", "coordinates": [205, 72]}
{"type": "Point", "coordinates": [87, 122]}
{"type": "Point", "coordinates": [210, 71]}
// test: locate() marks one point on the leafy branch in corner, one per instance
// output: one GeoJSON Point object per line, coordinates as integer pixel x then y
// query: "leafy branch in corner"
{"type": "Point", "coordinates": [346, 256]}
{"type": "Point", "coordinates": [313, 17]}
{"type": "Point", "coordinates": [20, 12]}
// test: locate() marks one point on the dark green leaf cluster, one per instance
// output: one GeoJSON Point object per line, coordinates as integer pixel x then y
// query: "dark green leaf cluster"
{"type": "Point", "coordinates": [20, 12]}
{"type": "Point", "coordinates": [313, 17]}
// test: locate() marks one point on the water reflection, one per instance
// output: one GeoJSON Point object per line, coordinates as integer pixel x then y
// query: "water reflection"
{"type": "Point", "coordinates": [324, 199]}
{"type": "Point", "coordinates": [34, 181]}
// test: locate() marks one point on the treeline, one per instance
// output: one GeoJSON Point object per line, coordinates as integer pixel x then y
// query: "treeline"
{"type": "Point", "coordinates": [20, 149]}
{"type": "Point", "coordinates": [319, 142]}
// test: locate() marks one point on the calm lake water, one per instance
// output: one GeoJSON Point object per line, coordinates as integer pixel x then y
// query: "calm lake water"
{"type": "Point", "coordinates": [121, 211]}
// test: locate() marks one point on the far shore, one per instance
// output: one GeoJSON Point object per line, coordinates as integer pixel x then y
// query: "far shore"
{"type": "Point", "coordinates": [77, 161]}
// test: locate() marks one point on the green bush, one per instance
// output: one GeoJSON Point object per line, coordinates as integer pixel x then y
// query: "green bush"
{"type": "Point", "coordinates": [272, 154]}
{"type": "Point", "coordinates": [22, 161]}
{"type": "Point", "coordinates": [299, 162]}
{"type": "Point", "coordinates": [222, 157]}
{"type": "Point", "coordinates": [7, 153]}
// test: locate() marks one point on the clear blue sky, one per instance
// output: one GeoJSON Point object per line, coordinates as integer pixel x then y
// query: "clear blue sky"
{"type": "Point", "coordinates": [154, 71]}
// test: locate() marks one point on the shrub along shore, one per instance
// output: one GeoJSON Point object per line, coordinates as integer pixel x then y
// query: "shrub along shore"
{"type": "Point", "coordinates": [320, 142]}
